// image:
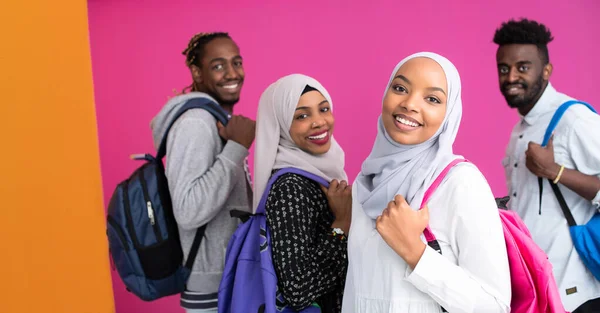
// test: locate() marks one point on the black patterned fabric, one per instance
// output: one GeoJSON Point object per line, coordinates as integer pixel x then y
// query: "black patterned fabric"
{"type": "Point", "coordinates": [310, 262]}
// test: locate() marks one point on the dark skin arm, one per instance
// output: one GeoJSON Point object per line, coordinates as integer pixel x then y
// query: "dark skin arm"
{"type": "Point", "coordinates": [540, 161]}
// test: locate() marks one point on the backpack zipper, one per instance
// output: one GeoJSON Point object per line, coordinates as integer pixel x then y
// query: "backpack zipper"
{"type": "Point", "coordinates": [149, 207]}
{"type": "Point", "coordinates": [150, 212]}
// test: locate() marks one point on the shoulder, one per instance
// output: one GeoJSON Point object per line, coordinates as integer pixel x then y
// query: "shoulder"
{"type": "Point", "coordinates": [575, 127]}
{"type": "Point", "coordinates": [577, 116]}
{"type": "Point", "coordinates": [295, 182]}
{"type": "Point", "coordinates": [582, 118]}
{"type": "Point", "coordinates": [197, 123]}
{"type": "Point", "coordinates": [466, 191]}
{"type": "Point", "coordinates": [298, 193]}
{"type": "Point", "coordinates": [198, 115]}
{"type": "Point", "coordinates": [465, 174]}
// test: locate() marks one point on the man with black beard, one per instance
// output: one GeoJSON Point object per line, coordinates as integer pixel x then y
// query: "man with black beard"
{"type": "Point", "coordinates": [571, 159]}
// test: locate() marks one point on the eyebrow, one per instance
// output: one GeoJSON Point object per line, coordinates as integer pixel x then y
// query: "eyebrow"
{"type": "Point", "coordinates": [437, 89]}
{"type": "Point", "coordinates": [307, 108]}
{"type": "Point", "coordinates": [403, 78]}
{"type": "Point", "coordinates": [224, 60]}
{"type": "Point", "coordinates": [430, 88]}
{"type": "Point", "coordinates": [518, 62]}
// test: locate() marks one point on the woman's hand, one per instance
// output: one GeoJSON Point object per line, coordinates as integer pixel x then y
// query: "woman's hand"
{"type": "Point", "coordinates": [401, 227]}
{"type": "Point", "coordinates": [339, 197]}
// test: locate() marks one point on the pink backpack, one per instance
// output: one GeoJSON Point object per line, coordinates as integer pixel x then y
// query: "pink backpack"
{"type": "Point", "coordinates": [534, 289]}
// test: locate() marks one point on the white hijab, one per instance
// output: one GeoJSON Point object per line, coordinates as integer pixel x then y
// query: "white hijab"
{"type": "Point", "coordinates": [274, 147]}
{"type": "Point", "coordinates": [408, 170]}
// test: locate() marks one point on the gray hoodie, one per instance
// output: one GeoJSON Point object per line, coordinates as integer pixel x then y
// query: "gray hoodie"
{"type": "Point", "coordinates": [206, 179]}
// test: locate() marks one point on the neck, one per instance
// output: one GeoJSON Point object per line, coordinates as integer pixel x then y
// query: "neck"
{"type": "Point", "coordinates": [228, 108]}
{"type": "Point", "coordinates": [526, 109]}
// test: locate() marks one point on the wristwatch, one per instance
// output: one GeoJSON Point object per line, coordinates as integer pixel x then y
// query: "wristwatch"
{"type": "Point", "coordinates": [596, 201]}
{"type": "Point", "coordinates": [338, 232]}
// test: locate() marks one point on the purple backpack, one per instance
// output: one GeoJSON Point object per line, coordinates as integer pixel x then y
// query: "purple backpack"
{"type": "Point", "coordinates": [249, 283]}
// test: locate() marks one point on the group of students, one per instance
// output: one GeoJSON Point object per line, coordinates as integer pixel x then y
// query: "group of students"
{"type": "Point", "coordinates": [358, 246]}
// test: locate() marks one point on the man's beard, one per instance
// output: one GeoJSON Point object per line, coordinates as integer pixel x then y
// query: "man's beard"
{"type": "Point", "coordinates": [530, 93]}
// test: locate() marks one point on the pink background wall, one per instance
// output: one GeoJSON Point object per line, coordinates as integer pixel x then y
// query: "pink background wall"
{"type": "Point", "coordinates": [350, 47]}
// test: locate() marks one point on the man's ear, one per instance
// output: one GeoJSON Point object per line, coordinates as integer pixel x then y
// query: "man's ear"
{"type": "Point", "coordinates": [196, 74]}
{"type": "Point", "coordinates": [547, 72]}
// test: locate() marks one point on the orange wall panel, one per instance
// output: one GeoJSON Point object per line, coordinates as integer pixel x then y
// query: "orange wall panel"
{"type": "Point", "coordinates": [53, 252]}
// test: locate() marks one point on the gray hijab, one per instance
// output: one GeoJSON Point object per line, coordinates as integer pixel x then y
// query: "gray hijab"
{"type": "Point", "coordinates": [274, 147]}
{"type": "Point", "coordinates": [408, 170]}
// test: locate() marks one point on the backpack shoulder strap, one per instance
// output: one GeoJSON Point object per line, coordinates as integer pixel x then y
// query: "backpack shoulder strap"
{"type": "Point", "coordinates": [195, 247]}
{"type": "Point", "coordinates": [558, 115]}
{"type": "Point", "coordinates": [438, 180]}
{"type": "Point", "coordinates": [195, 103]}
{"type": "Point", "coordinates": [281, 172]}
{"type": "Point", "coordinates": [549, 130]}
{"type": "Point", "coordinates": [436, 183]}
{"type": "Point", "coordinates": [222, 116]}
{"type": "Point", "coordinates": [429, 236]}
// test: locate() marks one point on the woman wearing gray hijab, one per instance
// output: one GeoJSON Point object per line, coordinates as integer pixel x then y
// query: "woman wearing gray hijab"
{"type": "Point", "coordinates": [307, 222]}
{"type": "Point", "coordinates": [391, 268]}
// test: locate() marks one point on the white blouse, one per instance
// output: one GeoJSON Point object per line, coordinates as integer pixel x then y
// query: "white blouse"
{"type": "Point", "coordinates": [471, 275]}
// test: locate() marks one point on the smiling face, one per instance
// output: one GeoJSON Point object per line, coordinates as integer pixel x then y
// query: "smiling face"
{"type": "Point", "coordinates": [221, 73]}
{"type": "Point", "coordinates": [414, 106]}
{"type": "Point", "coordinates": [313, 122]}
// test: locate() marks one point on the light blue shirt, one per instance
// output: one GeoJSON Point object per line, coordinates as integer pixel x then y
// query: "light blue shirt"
{"type": "Point", "coordinates": [576, 146]}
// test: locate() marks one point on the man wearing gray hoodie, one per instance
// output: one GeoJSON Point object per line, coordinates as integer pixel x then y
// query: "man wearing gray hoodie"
{"type": "Point", "coordinates": [206, 162]}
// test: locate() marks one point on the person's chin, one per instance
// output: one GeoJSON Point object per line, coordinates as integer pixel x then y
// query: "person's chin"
{"type": "Point", "coordinates": [407, 139]}
{"type": "Point", "coordinates": [514, 102]}
{"type": "Point", "coordinates": [318, 150]}
{"type": "Point", "coordinates": [229, 99]}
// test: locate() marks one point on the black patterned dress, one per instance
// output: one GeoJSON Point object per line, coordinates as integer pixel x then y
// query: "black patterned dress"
{"type": "Point", "coordinates": [309, 260]}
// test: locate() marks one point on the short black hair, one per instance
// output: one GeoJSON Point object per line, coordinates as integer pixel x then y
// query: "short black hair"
{"type": "Point", "coordinates": [525, 31]}
{"type": "Point", "coordinates": [195, 49]}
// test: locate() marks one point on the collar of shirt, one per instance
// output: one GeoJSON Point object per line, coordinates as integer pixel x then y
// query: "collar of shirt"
{"type": "Point", "coordinates": [545, 104]}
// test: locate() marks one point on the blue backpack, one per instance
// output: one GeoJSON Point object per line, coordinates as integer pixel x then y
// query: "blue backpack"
{"type": "Point", "coordinates": [143, 237]}
{"type": "Point", "coordinates": [586, 238]}
{"type": "Point", "coordinates": [249, 282]}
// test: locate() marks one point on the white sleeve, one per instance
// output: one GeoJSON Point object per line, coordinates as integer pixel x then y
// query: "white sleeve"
{"type": "Point", "coordinates": [481, 280]}
{"type": "Point", "coordinates": [584, 148]}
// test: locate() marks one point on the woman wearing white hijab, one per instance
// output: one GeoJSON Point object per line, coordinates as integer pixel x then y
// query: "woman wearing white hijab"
{"type": "Point", "coordinates": [307, 223]}
{"type": "Point", "coordinates": [391, 268]}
